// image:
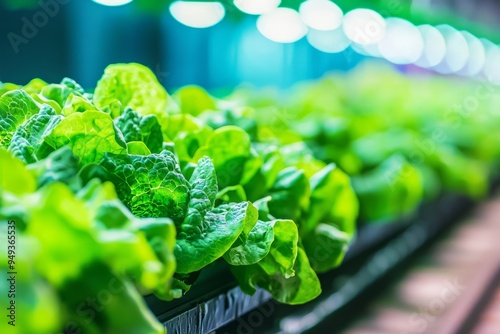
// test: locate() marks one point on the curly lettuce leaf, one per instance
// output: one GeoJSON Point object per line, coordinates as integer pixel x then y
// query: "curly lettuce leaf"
{"type": "Point", "coordinates": [76, 103]}
{"type": "Point", "coordinates": [59, 166]}
{"type": "Point", "coordinates": [7, 87]}
{"type": "Point", "coordinates": [35, 86]}
{"type": "Point", "coordinates": [137, 148]}
{"type": "Point", "coordinates": [139, 128]}
{"type": "Point", "coordinates": [16, 107]}
{"type": "Point", "coordinates": [134, 86]}
{"type": "Point", "coordinates": [36, 299]}
{"type": "Point", "coordinates": [63, 260]}
{"type": "Point", "coordinates": [150, 186]}
{"type": "Point", "coordinates": [28, 141]}
{"type": "Point", "coordinates": [90, 135]}
{"type": "Point", "coordinates": [140, 247]}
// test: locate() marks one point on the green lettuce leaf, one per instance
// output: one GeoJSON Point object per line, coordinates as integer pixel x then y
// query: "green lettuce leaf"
{"type": "Point", "coordinates": [76, 103]}
{"type": "Point", "coordinates": [28, 142]}
{"type": "Point", "coordinates": [14, 177]}
{"type": "Point", "coordinates": [285, 272]}
{"type": "Point", "coordinates": [59, 166]}
{"type": "Point", "coordinates": [202, 241]}
{"type": "Point", "coordinates": [16, 107]}
{"type": "Point", "coordinates": [221, 225]}
{"type": "Point", "coordinates": [134, 86]}
{"type": "Point", "coordinates": [290, 194]}
{"type": "Point", "coordinates": [391, 190]}
{"type": "Point", "coordinates": [89, 134]}
{"type": "Point", "coordinates": [194, 100]}
{"type": "Point", "coordinates": [251, 247]}
{"type": "Point", "coordinates": [150, 186]}
{"type": "Point", "coordinates": [141, 128]}
{"type": "Point", "coordinates": [230, 149]}
{"type": "Point", "coordinates": [332, 201]}
{"type": "Point", "coordinates": [100, 301]}
{"type": "Point", "coordinates": [187, 133]}
{"type": "Point", "coordinates": [330, 221]}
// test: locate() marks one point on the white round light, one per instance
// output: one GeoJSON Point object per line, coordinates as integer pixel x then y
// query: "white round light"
{"type": "Point", "coordinates": [402, 42]}
{"type": "Point", "coordinates": [282, 25]}
{"type": "Point", "coordinates": [434, 47]}
{"type": "Point", "coordinates": [256, 7]}
{"type": "Point", "coordinates": [197, 14]}
{"type": "Point", "coordinates": [477, 55]}
{"type": "Point", "coordinates": [321, 14]}
{"type": "Point", "coordinates": [370, 50]}
{"type": "Point", "coordinates": [457, 51]}
{"type": "Point", "coordinates": [331, 41]}
{"type": "Point", "coordinates": [491, 69]}
{"type": "Point", "coordinates": [113, 2]}
{"type": "Point", "coordinates": [364, 26]}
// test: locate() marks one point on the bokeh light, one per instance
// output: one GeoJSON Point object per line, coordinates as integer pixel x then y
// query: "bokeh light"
{"type": "Point", "coordinates": [364, 26]}
{"type": "Point", "coordinates": [457, 51]}
{"type": "Point", "coordinates": [282, 25]}
{"type": "Point", "coordinates": [197, 14]}
{"type": "Point", "coordinates": [321, 14]}
{"type": "Point", "coordinates": [256, 7]}
{"type": "Point", "coordinates": [330, 41]}
{"type": "Point", "coordinates": [434, 47]}
{"type": "Point", "coordinates": [402, 42]}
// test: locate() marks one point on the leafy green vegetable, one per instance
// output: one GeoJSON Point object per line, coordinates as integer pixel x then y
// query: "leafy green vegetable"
{"type": "Point", "coordinates": [290, 194]}
{"type": "Point", "coordinates": [150, 186]}
{"type": "Point", "coordinates": [14, 177]}
{"type": "Point", "coordinates": [146, 195]}
{"type": "Point", "coordinates": [194, 100]}
{"type": "Point", "coordinates": [134, 86]}
{"type": "Point", "coordinates": [394, 189]}
{"type": "Point", "coordinates": [221, 225]}
{"type": "Point", "coordinates": [90, 135]}
{"type": "Point", "coordinates": [332, 200]}
{"type": "Point", "coordinates": [285, 272]}
{"type": "Point", "coordinates": [28, 141]}
{"type": "Point", "coordinates": [16, 107]}
{"type": "Point", "coordinates": [141, 129]}
{"type": "Point", "coordinates": [59, 166]}
{"type": "Point", "coordinates": [252, 246]}
{"type": "Point", "coordinates": [230, 149]}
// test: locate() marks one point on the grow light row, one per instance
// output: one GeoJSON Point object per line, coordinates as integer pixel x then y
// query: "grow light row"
{"type": "Point", "coordinates": [440, 48]}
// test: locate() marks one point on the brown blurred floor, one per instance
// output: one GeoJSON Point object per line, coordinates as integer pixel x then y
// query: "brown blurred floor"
{"type": "Point", "coordinates": [445, 285]}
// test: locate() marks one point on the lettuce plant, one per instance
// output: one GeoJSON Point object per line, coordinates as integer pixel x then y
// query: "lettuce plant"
{"type": "Point", "coordinates": [133, 186]}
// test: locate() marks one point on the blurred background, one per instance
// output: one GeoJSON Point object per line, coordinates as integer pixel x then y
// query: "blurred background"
{"type": "Point", "coordinates": [370, 120]}
{"type": "Point", "coordinates": [55, 38]}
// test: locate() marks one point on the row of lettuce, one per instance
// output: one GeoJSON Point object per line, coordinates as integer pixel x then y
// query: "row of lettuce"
{"type": "Point", "coordinates": [128, 191]}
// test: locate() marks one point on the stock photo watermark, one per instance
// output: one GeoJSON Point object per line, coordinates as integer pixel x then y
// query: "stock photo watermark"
{"type": "Point", "coordinates": [420, 321]}
{"type": "Point", "coordinates": [31, 26]}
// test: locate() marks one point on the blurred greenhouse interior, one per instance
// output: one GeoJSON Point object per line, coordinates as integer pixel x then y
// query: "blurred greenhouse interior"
{"type": "Point", "coordinates": [250, 166]}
